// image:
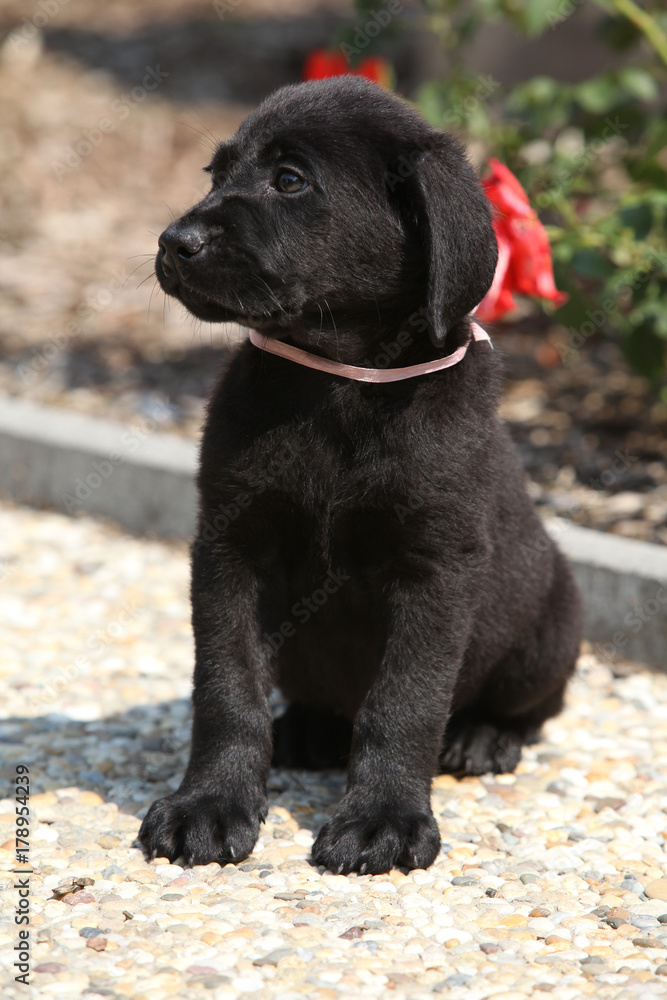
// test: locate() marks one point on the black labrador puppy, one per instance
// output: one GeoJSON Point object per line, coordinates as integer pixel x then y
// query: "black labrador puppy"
{"type": "Point", "coordinates": [368, 547]}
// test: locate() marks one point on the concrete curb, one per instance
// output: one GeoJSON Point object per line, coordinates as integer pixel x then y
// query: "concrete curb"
{"type": "Point", "coordinates": [144, 480]}
{"type": "Point", "coordinates": [135, 474]}
{"type": "Point", "coordinates": [624, 585]}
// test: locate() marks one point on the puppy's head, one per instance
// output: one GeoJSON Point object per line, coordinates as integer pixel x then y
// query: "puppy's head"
{"type": "Point", "coordinates": [334, 202]}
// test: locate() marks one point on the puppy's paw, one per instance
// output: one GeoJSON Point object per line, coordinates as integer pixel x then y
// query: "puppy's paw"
{"type": "Point", "coordinates": [201, 828]}
{"type": "Point", "coordinates": [375, 843]}
{"type": "Point", "coordinates": [480, 748]}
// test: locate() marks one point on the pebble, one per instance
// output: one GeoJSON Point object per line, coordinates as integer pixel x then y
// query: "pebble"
{"type": "Point", "coordinates": [274, 956]}
{"type": "Point", "coordinates": [657, 889]}
{"type": "Point", "coordinates": [532, 888]}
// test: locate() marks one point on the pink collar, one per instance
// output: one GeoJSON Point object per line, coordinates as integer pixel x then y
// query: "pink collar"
{"type": "Point", "coordinates": [363, 374]}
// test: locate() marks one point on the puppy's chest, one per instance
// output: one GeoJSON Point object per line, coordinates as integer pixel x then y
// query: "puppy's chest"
{"type": "Point", "coordinates": [310, 509]}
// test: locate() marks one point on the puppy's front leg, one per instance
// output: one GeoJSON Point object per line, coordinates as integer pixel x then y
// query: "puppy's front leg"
{"type": "Point", "coordinates": [385, 820]}
{"type": "Point", "coordinates": [216, 812]}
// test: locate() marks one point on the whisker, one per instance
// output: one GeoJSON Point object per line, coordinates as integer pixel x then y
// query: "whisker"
{"type": "Point", "coordinates": [150, 299]}
{"type": "Point", "coordinates": [151, 275]}
{"type": "Point", "coordinates": [214, 137]}
{"type": "Point", "coordinates": [334, 326]}
{"type": "Point", "coordinates": [238, 299]}
{"type": "Point", "coordinates": [205, 140]}
{"type": "Point", "coordinates": [134, 271]}
{"type": "Point", "coordinates": [272, 294]}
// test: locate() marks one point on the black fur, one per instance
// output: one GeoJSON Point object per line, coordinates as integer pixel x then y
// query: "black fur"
{"type": "Point", "coordinates": [370, 548]}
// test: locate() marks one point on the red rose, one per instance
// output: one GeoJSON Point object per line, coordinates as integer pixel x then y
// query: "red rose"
{"type": "Point", "coordinates": [323, 63]}
{"type": "Point", "coordinates": [524, 255]}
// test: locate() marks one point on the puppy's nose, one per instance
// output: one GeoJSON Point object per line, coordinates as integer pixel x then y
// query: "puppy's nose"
{"type": "Point", "coordinates": [178, 244]}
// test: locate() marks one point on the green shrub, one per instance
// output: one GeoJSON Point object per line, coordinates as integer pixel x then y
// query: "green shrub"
{"type": "Point", "coordinates": [592, 157]}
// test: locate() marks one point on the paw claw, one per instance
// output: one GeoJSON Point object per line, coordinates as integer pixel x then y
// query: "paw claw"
{"type": "Point", "coordinates": [376, 843]}
{"type": "Point", "coordinates": [199, 828]}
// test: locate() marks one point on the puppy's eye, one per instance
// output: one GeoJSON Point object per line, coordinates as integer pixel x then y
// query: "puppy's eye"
{"type": "Point", "coordinates": [289, 182]}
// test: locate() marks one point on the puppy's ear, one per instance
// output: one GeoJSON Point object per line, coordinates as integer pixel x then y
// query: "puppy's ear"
{"type": "Point", "coordinates": [453, 219]}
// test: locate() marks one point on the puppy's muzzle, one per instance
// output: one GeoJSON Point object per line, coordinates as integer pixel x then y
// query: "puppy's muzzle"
{"type": "Point", "coordinates": [178, 246]}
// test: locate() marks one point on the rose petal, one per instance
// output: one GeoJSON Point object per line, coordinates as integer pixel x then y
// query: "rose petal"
{"type": "Point", "coordinates": [498, 300]}
{"type": "Point", "coordinates": [321, 64]}
{"type": "Point", "coordinates": [524, 254]}
{"type": "Point", "coordinates": [375, 69]}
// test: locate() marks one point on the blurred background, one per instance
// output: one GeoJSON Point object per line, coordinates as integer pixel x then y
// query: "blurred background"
{"type": "Point", "coordinates": [110, 112]}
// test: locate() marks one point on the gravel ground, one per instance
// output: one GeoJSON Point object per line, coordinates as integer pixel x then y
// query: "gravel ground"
{"type": "Point", "coordinates": [552, 880]}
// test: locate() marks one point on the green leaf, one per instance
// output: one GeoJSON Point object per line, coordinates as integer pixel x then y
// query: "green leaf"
{"type": "Point", "coordinates": [539, 90]}
{"type": "Point", "coordinates": [597, 95]}
{"type": "Point", "coordinates": [536, 15]}
{"type": "Point", "coordinates": [645, 350]}
{"type": "Point", "coordinates": [575, 311]}
{"type": "Point", "coordinates": [639, 218]}
{"type": "Point", "coordinates": [657, 137]}
{"type": "Point", "coordinates": [590, 263]}
{"type": "Point", "coordinates": [619, 33]}
{"type": "Point", "coordinates": [638, 82]}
